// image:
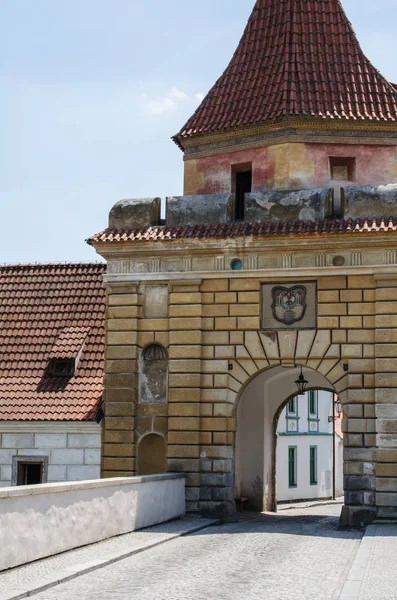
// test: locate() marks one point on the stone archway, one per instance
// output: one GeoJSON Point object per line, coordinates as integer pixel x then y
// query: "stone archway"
{"type": "Point", "coordinates": [258, 408]}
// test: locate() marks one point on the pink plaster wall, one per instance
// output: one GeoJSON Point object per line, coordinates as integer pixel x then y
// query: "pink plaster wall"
{"type": "Point", "coordinates": [292, 166]}
{"type": "Point", "coordinates": [374, 164]}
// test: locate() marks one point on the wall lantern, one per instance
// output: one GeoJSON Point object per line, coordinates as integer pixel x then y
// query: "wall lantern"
{"type": "Point", "coordinates": [338, 406]}
{"type": "Point", "coordinates": [301, 384]}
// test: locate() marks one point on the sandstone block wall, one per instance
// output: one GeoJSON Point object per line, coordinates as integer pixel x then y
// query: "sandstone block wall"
{"type": "Point", "coordinates": [211, 330]}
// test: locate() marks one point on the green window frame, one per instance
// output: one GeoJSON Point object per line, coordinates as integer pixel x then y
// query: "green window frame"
{"type": "Point", "coordinates": [291, 406]}
{"type": "Point", "coordinates": [313, 403]}
{"type": "Point", "coordinates": [292, 466]}
{"type": "Point", "coordinates": [313, 465]}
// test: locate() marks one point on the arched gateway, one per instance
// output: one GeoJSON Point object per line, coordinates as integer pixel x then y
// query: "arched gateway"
{"type": "Point", "coordinates": [281, 254]}
{"type": "Point", "coordinates": [257, 411]}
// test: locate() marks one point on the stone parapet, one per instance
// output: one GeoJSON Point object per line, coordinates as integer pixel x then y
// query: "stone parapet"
{"type": "Point", "coordinates": [369, 201]}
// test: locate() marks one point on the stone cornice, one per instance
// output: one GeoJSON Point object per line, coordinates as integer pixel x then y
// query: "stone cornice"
{"type": "Point", "coordinates": [279, 258]}
{"type": "Point", "coordinates": [302, 130]}
{"type": "Point", "coordinates": [291, 274]}
{"type": "Point", "coordinates": [119, 250]}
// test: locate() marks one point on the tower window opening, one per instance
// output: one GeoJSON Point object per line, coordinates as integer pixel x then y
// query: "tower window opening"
{"type": "Point", "coordinates": [342, 168]}
{"type": "Point", "coordinates": [243, 185]}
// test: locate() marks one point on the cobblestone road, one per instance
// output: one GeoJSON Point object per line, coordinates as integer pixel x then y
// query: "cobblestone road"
{"type": "Point", "coordinates": [299, 554]}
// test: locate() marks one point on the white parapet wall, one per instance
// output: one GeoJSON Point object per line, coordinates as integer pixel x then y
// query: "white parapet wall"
{"type": "Point", "coordinates": [42, 520]}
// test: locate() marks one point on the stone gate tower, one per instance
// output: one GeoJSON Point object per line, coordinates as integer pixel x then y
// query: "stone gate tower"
{"type": "Point", "coordinates": [282, 255]}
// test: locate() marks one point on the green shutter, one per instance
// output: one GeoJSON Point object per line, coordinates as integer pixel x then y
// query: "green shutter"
{"type": "Point", "coordinates": [292, 470]}
{"type": "Point", "coordinates": [313, 403]}
{"type": "Point", "coordinates": [292, 406]}
{"type": "Point", "coordinates": [313, 465]}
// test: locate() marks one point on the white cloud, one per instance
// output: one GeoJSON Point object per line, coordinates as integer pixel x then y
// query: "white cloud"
{"type": "Point", "coordinates": [169, 102]}
{"type": "Point", "coordinates": [178, 94]}
{"type": "Point", "coordinates": [166, 103]}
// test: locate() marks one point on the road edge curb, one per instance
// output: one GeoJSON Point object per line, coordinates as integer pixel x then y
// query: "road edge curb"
{"type": "Point", "coordinates": [352, 586]}
{"type": "Point", "coordinates": [73, 572]}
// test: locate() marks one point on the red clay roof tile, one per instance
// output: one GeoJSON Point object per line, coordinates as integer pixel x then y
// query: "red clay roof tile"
{"type": "Point", "coordinates": [69, 342]}
{"type": "Point", "coordinates": [42, 307]}
{"type": "Point", "coordinates": [233, 229]}
{"type": "Point", "coordinates": [296, 58]}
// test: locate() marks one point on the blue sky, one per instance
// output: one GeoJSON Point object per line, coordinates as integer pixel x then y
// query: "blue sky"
{"type": "Point", "coordinates": [91, 92]}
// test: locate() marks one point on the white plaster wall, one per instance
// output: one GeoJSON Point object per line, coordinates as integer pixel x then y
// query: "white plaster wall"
{"type": "Point", "coordinates": [250, 456]}
{"type": "Point", "coordinates": [42, 520]}
{"type": "Point", "coordinates": [304, 490]}
{"type": "Point", "coordinates": [303, 439]}
{"type": "Point", "coordinates": [73, 448]}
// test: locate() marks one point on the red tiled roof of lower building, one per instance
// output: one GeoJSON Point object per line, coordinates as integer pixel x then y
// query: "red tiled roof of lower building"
{"type": "Point", "coordinates": [39, 304]}
{"type": "Point", "coordinates": [69, 342]}
{"type": "Point", "coordinates": [296, 59]}
{"type": "Point", "coordinates": [236, 229]}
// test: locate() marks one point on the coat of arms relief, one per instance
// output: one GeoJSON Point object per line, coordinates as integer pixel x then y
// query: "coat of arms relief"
{"type": "Point", "coordinates": [289, 306]}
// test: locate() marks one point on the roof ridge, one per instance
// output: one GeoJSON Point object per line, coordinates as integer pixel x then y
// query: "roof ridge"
{"type": "Point", "coordinates": [294, 59]}
{"type": "Point", "coordinates": [257, 228]}
{"type": "Point", "coordinates": [38, 265]}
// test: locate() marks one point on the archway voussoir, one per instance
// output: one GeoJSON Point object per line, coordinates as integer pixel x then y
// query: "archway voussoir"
{"type": "Point", "coordinates": [232, 397]}
{"type": "Point", "coordinates": [337, 372]}
{"type": "Point", "coordinates": [287, 344]}
{"type": "Point", "coordinates": [234, 385]}
{"type": "Point", "coordinates": [321, 344]}
{"type": "Point", "coordinates": [270, 345]}
{"type": "Point", "coordinates": [313, 363]}
{"type": "Point", "coordinates": [242, 352]}
{"type": "Point", "coordinates": [304, 343]}
{"type": "Point", "coordinates": [237, 372]}
{"type": "Point", "coordinates": [248, 365]}
{"type": "Point", "coordinates": [262, 364]}
{"type": "Point", "coordinates": [342, 386]}
{"type": "Point", "coordinates": [327, 365]}
{"type": "Point", "coordinates": [254, 346]}
{"type": "Point", "coordinates": [334, 351]}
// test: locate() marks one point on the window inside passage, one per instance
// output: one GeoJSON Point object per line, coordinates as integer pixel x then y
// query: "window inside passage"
{"type": "Point", "coordinates": [291, 406]}
{"type": "Point", "coordinates": [313, 465]}
{"type": "Point", "coordinates": [313, 405]}
{"type": "Point", "coordinates": [292, 466]}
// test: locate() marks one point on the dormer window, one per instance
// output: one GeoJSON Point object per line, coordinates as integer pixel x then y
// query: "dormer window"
{"type": "Point", "coordinates": [66, 352]}
{"type": "Point", "coordinates": [62, 368]}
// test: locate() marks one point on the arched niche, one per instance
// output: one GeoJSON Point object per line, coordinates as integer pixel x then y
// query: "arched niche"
{"type": "Point", "coordinates": [153, 380]}
{"type": "Point", "coordinates": [152, 455]}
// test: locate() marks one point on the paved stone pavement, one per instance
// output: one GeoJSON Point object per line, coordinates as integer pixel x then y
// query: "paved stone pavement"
{"type": "Point", "coordinates": [20, 581]}
{"type": "Point", "coordinates": [299, 554]}
{"type": "Point", "coordinates": [373, 575]}
{"type": "Point", "coordinates": [380, 581]}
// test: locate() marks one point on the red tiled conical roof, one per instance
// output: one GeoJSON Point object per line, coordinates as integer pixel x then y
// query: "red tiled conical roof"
{"type": "Point", "coordinates": [296, 58]}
